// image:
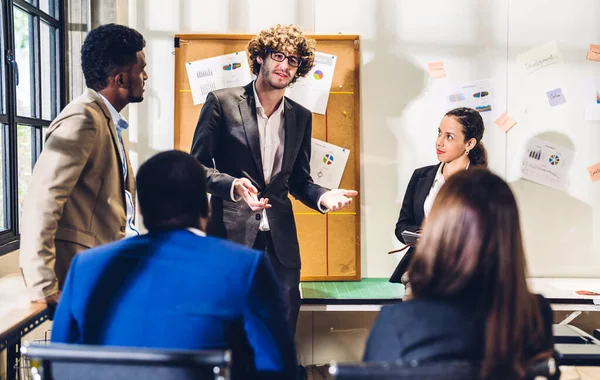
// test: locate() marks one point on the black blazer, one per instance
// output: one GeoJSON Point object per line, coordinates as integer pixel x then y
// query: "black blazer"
{"type": "Point", "coordinates": [412, 213]}
{"type": "Point", "coordinates": [437, 329]}
{"type": "Point", "coordinates": [226, 142]}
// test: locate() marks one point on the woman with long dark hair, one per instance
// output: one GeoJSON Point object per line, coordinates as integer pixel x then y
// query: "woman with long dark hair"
{"type": "Point", "coordinates": [470, 299]}
{"type": "Point", "coordinates": [458, 147]}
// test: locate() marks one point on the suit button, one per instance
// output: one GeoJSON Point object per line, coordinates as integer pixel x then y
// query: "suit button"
{"type": "Point", "coordinates": [257, 217]}
{"type": "Point", "coordinates": [122, 228]}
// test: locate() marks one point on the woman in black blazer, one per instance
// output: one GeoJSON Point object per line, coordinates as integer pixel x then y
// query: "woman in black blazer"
{"type": "Point", "coordinates": [470, 299]}
{"type": "Point", "coordinates": [458, 147]}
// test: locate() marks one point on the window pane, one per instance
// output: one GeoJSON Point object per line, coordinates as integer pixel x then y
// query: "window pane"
{"type": "Point", "coordinates": [24, 157]}
{"type": "Point", "coordinates": [49, 74]}
{"type": "Point", "coordinates": [2, 72]}
{"type": "Point", "coordinates": [48, 6]}
{"type": "Point", "coordinates": [3, 180]}
{"type": "Point", "coordinates": [24, 57]}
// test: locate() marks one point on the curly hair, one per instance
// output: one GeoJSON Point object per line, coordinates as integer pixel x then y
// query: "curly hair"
{"type": "Point", "coordinates": [286, 39]}
{"type": "Point", "coordinates": [106, 49]}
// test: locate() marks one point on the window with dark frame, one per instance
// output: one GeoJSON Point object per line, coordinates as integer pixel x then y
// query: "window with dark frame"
{"type": "Point", "coordinates": [32, 92]}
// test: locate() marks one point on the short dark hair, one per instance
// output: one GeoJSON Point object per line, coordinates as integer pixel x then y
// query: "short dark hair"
{"type": "Point", "coordinates": [171, 188]}
{"type": "Point", "coordinates": [106, 49]}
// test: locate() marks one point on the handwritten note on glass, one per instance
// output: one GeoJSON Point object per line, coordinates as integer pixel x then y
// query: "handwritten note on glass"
{"type": "Point", "coordinates": [556, 97]}
{"type": "Point", "coordinates": [594, 171]}
{"type": "Point", "coordinates": [436, 70]}
{"type": "Point", "coordinates": [505, 122]}
{"type": "Point", "coordinates": [593, 53]}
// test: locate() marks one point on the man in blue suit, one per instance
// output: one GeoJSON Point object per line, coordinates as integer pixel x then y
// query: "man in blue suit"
{"type": "Point", "coordinates": [175, 287]}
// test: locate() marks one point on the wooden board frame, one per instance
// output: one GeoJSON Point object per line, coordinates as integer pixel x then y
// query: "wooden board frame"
{"type": "Point", "coordinates": [342, 251]}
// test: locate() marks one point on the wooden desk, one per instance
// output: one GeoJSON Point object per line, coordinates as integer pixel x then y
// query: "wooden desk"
{"type": "Point", "coordinates": [18, 316]}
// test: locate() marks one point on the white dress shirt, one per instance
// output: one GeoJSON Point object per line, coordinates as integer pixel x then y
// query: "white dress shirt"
{"type": "Point", "coordinates": [120, 124]}
{"type": "Point", "coordinates": [196, 231]}
{"type": "Point", "coordinates": [272, 137]}
{"type": "Point", "coordinates": [438, 182]}
{"type": "Point", "coordinates": [271, 133]}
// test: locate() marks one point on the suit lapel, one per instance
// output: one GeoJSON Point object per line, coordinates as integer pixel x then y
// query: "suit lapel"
{"type": "Point", "coordinates": [247, 108]}
{"type": "Point", "coordinates": [290, 133]}
{"type": "Point", "coordinates": [425, 183]}
{"type": "Point", "coordinates": [115, 140]}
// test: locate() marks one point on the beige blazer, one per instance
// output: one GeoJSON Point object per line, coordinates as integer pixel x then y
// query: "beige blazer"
{"type": "Point", "coordinates": [76, 197]}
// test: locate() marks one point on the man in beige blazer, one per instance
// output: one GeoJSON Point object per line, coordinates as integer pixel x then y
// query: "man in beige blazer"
{"type": "Point", "coordinates": [82, 190]}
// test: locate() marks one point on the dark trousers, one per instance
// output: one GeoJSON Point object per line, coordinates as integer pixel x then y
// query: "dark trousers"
{"type": "Point", "coordinates": [289, 279]}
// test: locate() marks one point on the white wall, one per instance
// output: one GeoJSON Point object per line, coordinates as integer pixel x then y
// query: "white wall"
{"type": "Point", "coordinates": [401, 107]}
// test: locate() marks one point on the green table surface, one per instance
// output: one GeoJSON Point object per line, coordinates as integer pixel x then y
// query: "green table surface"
{"type": "Point", "coordinates": [366, 289]}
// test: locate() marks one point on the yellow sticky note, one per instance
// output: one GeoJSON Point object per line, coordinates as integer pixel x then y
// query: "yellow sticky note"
{"type": "Point", "coordinates": [593, 53]}
{"type": "Point", "coordinates": [505, 122]}
{"type": "Point", "coordinates": [594, 172]}
{"type": "Point", "coordinates": [436, 70]}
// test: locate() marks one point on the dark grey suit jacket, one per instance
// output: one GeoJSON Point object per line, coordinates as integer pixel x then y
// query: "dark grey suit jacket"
{"type": "Point", "coordinates": [226, 142]}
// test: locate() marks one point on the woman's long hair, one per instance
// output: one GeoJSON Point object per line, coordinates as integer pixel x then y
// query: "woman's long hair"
{"type": "Point", "coordinates": [471, 247]}
{"type": "Point", "coordinates": [473, 127]}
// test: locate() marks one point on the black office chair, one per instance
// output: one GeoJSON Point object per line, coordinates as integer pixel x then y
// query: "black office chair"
{"type": "Point", "coordinates": [75, 362]}
{"type": "Point", "coordinates": [438, 370]}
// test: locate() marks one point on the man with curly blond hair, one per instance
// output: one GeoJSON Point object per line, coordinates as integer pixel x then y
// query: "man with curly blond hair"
{"type": "Point", "coordinates": [255, 146]}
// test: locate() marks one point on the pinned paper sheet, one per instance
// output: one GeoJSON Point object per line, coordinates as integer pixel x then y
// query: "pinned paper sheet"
{"type": "Point", "coordinates": [539, 57]}
{"type": "Point", "coordinates": [327, 163]}
{"type": "Point", "coordinates": [592, 99]}
{"type": "Point", "coordinates": [505, 122]}
{"type": "Point", "coordinates": [478, 94]}
{"type": "Point", "coordinates": [556, 97]}
{"type": "Point", "coordinates": [210, 74]}
{"type": "Point", "coordinates": [594, 171]}
{"type": "Point", "coordinates": [436, 70]}
{"type": "Point", "coordinates": [546, 163]}
{"type": "Point", "coordinates": [593, 53]}
{"type": "Point", "coordinates": [312, 90]}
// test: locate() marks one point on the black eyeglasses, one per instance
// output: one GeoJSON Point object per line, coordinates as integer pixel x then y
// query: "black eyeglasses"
{"type": "Point", "coordinates": [280, 57]}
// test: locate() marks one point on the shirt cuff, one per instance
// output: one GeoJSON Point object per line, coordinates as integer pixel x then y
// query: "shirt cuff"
{"type": "Point", "coordinates": [231, 193]}
{"type": "Point", "coordinates": [320, 206]}
{"type": "Point", "coordinates": [36, 294]}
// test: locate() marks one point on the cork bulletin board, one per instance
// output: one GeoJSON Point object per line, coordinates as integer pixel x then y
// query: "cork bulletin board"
{"type": "Point", "coordinates": [330, 243]}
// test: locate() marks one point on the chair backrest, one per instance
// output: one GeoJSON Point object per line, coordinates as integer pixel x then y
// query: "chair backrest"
{"type": "Point", "coordinates": [436, 370]}
{"type": "Point", "coordinates": [68, 361]}
{"type": "Point", "coordinates": [439, 370]}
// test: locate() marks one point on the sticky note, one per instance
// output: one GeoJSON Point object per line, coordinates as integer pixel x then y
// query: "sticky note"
{"type": "Point", "coordinates": [436, 70]}
{"type": "Point", "coordinates": [593, 53]}
{"type": "Point", "coordinates": [587, 293]}
{"type": "Point", "coordinates": [505, 122]}
{"type": "Point", "coordinates": [556, 97]}
{"type": "Point", "coordinates": [594, 172]}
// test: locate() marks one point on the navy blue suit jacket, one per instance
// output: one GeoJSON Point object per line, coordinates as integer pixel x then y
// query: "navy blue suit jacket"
{"type": "Point", "coordinates": [177, 290]}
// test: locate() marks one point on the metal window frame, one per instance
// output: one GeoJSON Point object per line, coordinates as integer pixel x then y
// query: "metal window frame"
{"type": "Point", "coordinates": [9, 120]}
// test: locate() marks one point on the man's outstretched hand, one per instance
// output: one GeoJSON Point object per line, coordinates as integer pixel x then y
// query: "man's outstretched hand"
{"type": "Point", "coordinates": [337, 199]}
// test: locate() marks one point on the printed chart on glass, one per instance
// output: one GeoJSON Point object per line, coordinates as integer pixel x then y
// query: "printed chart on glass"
{"type": "Point", "coordinates": [479, 95]}
{"type": "Point", "coordinates": [547, 164]}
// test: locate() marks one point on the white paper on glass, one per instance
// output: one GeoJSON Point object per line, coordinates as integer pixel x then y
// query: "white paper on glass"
{"type": "Point", "coordinates": [539, 58]}
{"type": "Point", "coordinates": [546, 163]}
{"type": "Point", "coordinates": [477, 94]}
{"type": "Point", "coordinates": [592, 99]}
